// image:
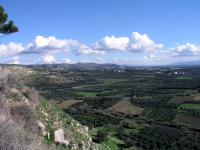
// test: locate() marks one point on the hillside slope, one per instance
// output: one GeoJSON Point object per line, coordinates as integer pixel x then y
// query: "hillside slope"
{"type": "Point", "coordinates": [28, 121]}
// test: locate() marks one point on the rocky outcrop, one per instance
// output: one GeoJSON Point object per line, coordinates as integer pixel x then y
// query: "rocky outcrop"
{"type": "Point", "coordinates": [59, 137]}
{"type": "Point", "coordinates": [41, 126]}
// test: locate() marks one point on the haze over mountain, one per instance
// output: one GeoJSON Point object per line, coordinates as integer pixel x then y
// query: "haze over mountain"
{"type": "Point", "coordinates": [187, 63]}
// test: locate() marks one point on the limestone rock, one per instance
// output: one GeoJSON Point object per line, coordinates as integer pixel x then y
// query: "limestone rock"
{"type": "Point", "coordinates": [59, 137]}
{"type": "Point", "coordinates": [41, 126]}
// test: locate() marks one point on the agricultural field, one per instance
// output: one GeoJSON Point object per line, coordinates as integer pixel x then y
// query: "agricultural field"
{"type": "Point", "coordinates": [64, 104]}
{"type": "Point", "coordinates": [131, 104]}
{"type": "Point", "coordinates": [87, 94]}
{"type": "Point", "coordinates": [181, 99]}
{"type": "Point", "coordinates": [112, 80]}
{"type": "Point", "coordinates": [126, 106]}
{"type": "Point", "coordinates": [188, 120]}
{"type": "Point", "coordinates": [190, 106]}
{"type": "Point", "coordinates": [135, 110]}
{"type": "Point", "coordinates": [197, 98]}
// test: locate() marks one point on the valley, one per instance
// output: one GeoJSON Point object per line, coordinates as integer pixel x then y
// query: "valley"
{"type": "Point", "coordinates": [127, 103]}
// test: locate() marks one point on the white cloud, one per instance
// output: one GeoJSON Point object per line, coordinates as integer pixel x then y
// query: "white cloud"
{"type": "Point", "coordinates": [111, 44]}
{"type": "Point", "coordinates": [99, 60]}
{"type": "Point", "coordinates": [14, 60]}
{"type": "Point", "coordinates": [49, 45]}
{"type": "Point", "coordinates": [187, 58]}
{"type": "Point", "coordinates": [48, 58]}
{"type": "Point", "coordinates": [142, 43]}
{"type": "Point", "coordinates": [86, 60]}
{"type": "Point", "coordinates": [136, 44]}
{"type": "Point", "coordinates": [83, 49]}
{"type": "Point", "coordinates": [67, 60]}
{"type": "Point", "coordinates": [152, 59]}
{"type": "Point", "coordinates": [187, 49]}
{"type": "Point", "coordinates": [11, 49]}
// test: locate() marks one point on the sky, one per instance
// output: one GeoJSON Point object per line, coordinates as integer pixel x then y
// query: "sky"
{"type": "Point", "coordinates": [125, 32]}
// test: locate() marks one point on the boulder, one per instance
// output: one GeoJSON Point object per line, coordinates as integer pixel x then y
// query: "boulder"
{"type": "Point", "coordinates": [59, 137]}
{"type": "Point", "coordinates": [41, 126]}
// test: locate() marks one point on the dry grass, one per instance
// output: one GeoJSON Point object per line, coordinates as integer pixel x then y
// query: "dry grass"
{"type": "Point", "coordinates": [181, 99]}
{"type": "Point", "coordinates": [122, 106]}
{"type": "Point", "coordinates": [188, 120]}
{"type": "Point", "coordinates": [65, 104]}
{"type": "Point", "coordinates": [126, 107]}
{"type": "Point", "coordinates": [112, 80]}
{"type": "Point", "coordinates": [135, 110]}
{"type": "Point", "coordinates": [197, 98]}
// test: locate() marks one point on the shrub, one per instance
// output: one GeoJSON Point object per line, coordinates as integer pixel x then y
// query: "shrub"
{"type": "Point", "coordinates": [32, 95]}
{"type": "Point", "coordinates": [24, 115]}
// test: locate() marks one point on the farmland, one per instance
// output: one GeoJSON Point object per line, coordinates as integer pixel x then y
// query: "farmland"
{"type": "Point", "coordinates": [190, 106]}
{"type": "Point", "coordinates": [188, 120]}
{"type": "Point", "coordinates": [65, 104]}
{"type": "Point", "coordinates": [126, 106]}
{"type": "Point", "coordinates": [132, 105]}
{"type": "Point", "coordinates": [181, 99]}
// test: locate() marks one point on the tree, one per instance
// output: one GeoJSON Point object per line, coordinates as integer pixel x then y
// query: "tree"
{"type": "Point", "coordinates": [102, 136]}
{"type": "Point", "coordinates": [8, 28]}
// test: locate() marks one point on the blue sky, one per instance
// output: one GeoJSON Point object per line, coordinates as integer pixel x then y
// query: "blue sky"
{"type": "Point", "coordinates": [133, 32]}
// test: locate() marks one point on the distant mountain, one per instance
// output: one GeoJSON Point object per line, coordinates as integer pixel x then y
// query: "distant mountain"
{"type": "Point", "coordinates": [90, 65]}
{"type": "Point", "coordinates": [188, 63]}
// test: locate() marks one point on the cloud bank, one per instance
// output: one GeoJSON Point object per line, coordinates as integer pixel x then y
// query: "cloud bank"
{"type": "Point", "coordinates": [139, 46]}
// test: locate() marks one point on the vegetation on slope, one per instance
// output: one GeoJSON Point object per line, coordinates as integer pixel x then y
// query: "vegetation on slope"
{"type": "Point", "coordinates": [28, 121]}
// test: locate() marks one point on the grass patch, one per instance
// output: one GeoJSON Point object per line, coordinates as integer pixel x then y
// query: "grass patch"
{"type": "Point", "coordinates": [190, 106]}
{"type": "Point", "coordinates": [183, 78]}
{"type": "Point", "coordinates": [112, 80]}
{"type": "Point", "coordinates": [137, 130]}
{"type": "Point", "coordinates": [87, 94]}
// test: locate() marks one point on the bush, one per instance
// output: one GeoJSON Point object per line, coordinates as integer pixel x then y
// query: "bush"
{"type": "Point", "coordinates": [32, 95]}
{"type": "Point", "coordinates": [128, 124]}
{"type": "Point", "coordinates": [14, 80]}
{"type": "Point", "coordinates": [15, 95]}
{"type": "Point", "coordinates": [3, 105]}
{"type": "Point", "coordinates": [25, 116]}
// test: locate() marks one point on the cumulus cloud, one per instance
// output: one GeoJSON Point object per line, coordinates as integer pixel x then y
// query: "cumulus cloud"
{"type": "Point", "coordinates": [137, 43]}
{"type": "Point", "coordinates": [83, 49]}
{"type": "Point", "coordinates": [14, 60]}
{"type": "Point", "coordinates": [86, 60]}
{"type": "Point", "coordinates": [49, 45]}
{"type": "Point", "coordinates": [152, 59]}
{"type": "Point", "coordinates": [48, 58]}
{"type": "Point", "coordinates": [67, 60]}
{"type": "Point", "coordinates": [99, 60]}
{"type": "Point", "coordinates": [187, 49]}
{"type": "Point", "coordinates": [111, 44]}
{"type": "Point", "coordinates": [142, 43]}
{"type": "Point", "coordinates": [11, 49]}
{"type": "Point", "coordinates": [40, 45]}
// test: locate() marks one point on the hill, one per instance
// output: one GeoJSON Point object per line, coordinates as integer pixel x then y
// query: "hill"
{"type": "Point", "coordinates": [28, 121]}
{"type": "Point", "coordinates": [188, 63]}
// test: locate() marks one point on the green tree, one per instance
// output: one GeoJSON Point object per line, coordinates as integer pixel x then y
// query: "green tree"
{"type": "Point", "coordinates": [102, 136]}
{"type": "Point", "coordinates": [6, 28]}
